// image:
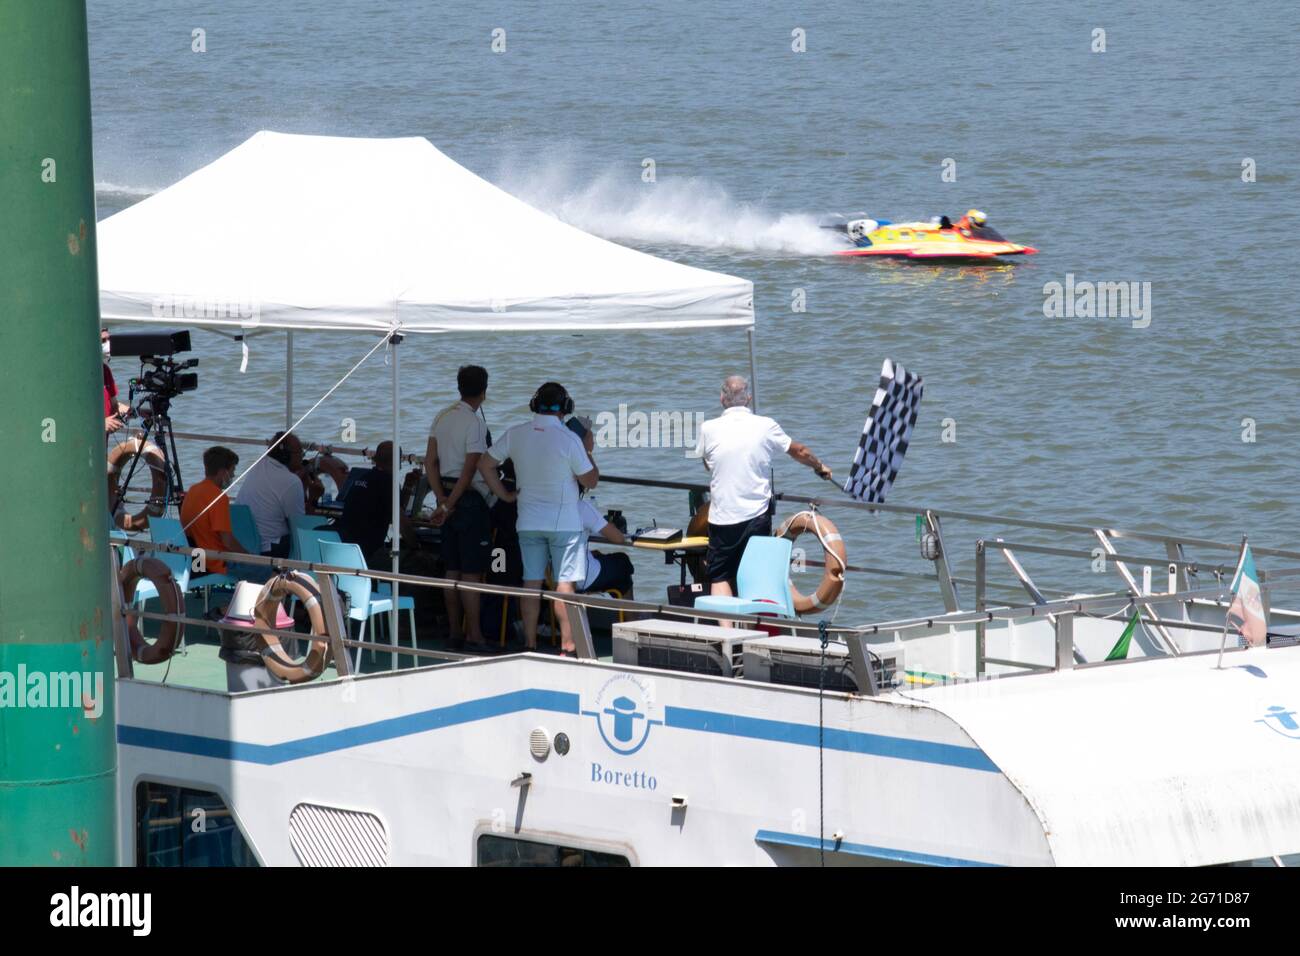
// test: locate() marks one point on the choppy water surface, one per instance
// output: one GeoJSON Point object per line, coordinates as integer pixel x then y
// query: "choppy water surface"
{"type": "Point", "coordinates": [1121, 166]}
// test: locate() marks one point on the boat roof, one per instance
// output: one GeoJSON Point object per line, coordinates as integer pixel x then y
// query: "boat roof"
{"type": "Point", "coordinates": [1160, 762]}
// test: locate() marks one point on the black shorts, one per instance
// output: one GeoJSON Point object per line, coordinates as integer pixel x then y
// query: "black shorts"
{"type": "Point", "coordinates": [615, 572]}
{"type": "Point", "coordinates": [727, 545]}
{"type": "Point", "coordinates": [467, 535]}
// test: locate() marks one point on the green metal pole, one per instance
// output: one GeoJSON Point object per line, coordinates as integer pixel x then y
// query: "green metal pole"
{"type": "Point", "coordinates": [58, 758]}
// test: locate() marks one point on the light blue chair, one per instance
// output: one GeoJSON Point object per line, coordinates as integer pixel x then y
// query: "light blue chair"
{"type": "Point", "coordinates": [299, 523]}
{"type": "Point", "coordinates": [363, 602]}
{"type": "Point", "coordinates": [170, 531]}
{"type": "Point", "coordinates": [763, 581]}
{"type": "Point", "coordinates": [244, 528]}
{"type": "Point", "coordinates": [306, 542]}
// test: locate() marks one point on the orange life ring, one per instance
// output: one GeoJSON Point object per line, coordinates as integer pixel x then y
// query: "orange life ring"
{"type": "Point", "coordinates": [279, 663]}
{"type": "Point", "coordinates": [834, 559]}
{"type": "Point", "coordinates": [118, 456]}
{"type": "Point", "coordinates": [173, 602]}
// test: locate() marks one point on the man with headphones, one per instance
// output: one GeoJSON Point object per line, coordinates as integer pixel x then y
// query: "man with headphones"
{"type": "Point", "coordinates": [547, 457]}
{"type": "Point", "coordinates": [273, 491]}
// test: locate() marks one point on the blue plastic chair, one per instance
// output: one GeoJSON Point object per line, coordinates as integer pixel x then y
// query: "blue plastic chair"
{"type": "Point", "coordinates": [306, 542]}
{"type": "Point", "coordinates": [244, 528]}
{"type": "Point", "coordinates": [763, 581]}
{"type": "Point", "coordinates": [299, 523]}
{"type": "Point", "coordinates": [363, 602]}
{"type": "Point", "coordinates": [170, 531]}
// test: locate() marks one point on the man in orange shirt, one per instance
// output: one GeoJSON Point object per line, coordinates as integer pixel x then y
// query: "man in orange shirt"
{"type": "Point", "coordinates": [209, 527]}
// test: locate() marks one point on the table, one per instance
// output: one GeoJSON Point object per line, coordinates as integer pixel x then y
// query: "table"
{"type": "Point", "coordinates": [673, 551]}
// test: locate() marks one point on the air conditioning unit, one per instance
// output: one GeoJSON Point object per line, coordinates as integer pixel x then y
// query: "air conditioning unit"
{"type": "Point", "coordinates": [682, 646]}
{"type": "Point", "coordinates": [797, 662]}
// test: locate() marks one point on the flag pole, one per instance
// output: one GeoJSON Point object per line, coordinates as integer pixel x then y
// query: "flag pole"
{"type": "Point", "coordinates": [1223, 640]}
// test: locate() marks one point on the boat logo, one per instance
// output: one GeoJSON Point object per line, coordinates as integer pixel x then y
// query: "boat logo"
{"type": "Point", "coordinates": [1281, 721]}
{"type": "Point", "coordinates": [624, 713]}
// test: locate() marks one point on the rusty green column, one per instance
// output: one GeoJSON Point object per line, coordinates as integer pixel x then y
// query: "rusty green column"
{"type": "Point", "coordinates": [57, 730]}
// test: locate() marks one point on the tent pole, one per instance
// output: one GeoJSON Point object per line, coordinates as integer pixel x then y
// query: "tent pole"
{"type": "Point", "coordinates": [397, 500]}
{"type": "Point", "coordinates": [288, 380]}
{"type": "Point", "coordinates": [753, 368]}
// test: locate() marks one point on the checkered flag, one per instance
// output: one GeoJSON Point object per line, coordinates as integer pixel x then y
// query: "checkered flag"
{"type": "Point", "coordinates": [886, 434]}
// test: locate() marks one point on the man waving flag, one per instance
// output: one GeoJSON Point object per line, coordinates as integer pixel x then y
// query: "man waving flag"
{"type": "Point", "coordinates": [886, 434]}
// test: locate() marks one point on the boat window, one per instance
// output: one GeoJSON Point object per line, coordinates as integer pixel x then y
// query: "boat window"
{"type": "Point", "coordinates": [182, 826]}
{"type": "Point", "coordinates": [986, 232]}
{"type": "Point", "coordinates": [507, 851]}
{"type": "Point", "coordinates": [904, 234]}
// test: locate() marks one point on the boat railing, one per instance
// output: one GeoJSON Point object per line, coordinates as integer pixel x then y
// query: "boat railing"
{"type": "Point", "coordinates": [857, 639]}
{"type": "Point", "coordinates": [950, 584]}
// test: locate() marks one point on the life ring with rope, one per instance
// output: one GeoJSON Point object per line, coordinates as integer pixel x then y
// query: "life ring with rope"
{"type": "Point", "coordinates": [277, 661]}
{"type": "Point", "coordinates": [152, 455]}
{"type": "Point", "coordinates": [835, 560]}
{"type": "Point", "coordinates": [173, 602]}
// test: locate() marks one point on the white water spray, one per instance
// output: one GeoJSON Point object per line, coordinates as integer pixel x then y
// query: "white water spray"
{"type": "Point", "coordinates": [690, 211]}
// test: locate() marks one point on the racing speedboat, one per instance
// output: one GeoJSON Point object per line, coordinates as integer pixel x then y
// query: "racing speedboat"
{"type": "Point", "coordinates": [971, 237]}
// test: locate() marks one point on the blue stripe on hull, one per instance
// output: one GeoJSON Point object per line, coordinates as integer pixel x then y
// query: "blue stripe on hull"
{"type": "Point", "coordinates": [560, 702]}
{"type": "Point", "coordinates": [804, 841]}
{"type": "Point", "coordinates": [850, 741]}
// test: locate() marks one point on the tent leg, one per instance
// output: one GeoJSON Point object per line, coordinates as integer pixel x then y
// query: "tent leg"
{"type": "Point", "coordinates": [397, 499]}
{"type": "Point", "coordinates": [753, 367]}
{"type": "Point", "coordinates": [288, 380]}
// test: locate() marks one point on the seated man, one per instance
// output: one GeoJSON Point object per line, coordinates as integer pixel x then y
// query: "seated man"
{"type": "Point", "coordinates": [205, 512]}
{"type": "Point", "coordinates": [368, 509]}
{"type": "Point", "coordinates": [604, 571]}
{"type": "Point", "coordinates": [274, 493]}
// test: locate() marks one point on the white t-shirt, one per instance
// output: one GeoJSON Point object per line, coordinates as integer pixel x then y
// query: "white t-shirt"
{"type": "Point", "coordinates": [273, 493]}
{"type": "Point", "coordinates": [459, 431]}
{"type": "Point", "coordinates": [548, 457]}
{"type": "Point", "coordinates": [737, 448]}
{"type": "Point", "coordinates": [592, 523]}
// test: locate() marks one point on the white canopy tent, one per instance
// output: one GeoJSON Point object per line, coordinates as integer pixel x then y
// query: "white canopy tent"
{"type": "Point", "coordinates": [324, 233]}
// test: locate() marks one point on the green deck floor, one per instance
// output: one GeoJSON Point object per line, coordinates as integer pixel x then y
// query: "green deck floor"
{"type": "Point", "coordinates": [197, 664]}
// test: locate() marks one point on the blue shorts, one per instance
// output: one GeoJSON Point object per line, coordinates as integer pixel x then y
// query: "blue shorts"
{"type": "Point", "coordinates": [564, 551]}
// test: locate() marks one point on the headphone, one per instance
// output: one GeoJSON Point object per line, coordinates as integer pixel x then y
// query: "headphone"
{"type": "Point", "coordinates": [552, 397]}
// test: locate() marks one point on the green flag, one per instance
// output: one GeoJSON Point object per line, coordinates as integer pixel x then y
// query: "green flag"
{"type": "Point", "coordinates": [1120, 651]}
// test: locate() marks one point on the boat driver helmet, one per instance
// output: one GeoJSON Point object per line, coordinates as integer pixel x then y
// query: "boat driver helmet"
{"type": "Point", "coordinates": [975, 217]}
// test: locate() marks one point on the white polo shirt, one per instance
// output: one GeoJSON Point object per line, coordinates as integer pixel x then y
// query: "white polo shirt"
{"type": "Point", "coordinates": [548, 458]}
{"type": "Point", "coordinates": [737, 448]}
{"type": "Point", "coordinates": [273, 493]}
{"type": "Point", "coordinates": [460, 431]}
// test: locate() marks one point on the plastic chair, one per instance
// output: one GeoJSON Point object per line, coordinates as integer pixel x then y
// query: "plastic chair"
{"type": "Point", "coordinates": [244, 528]}
{"type": "Point", "coordinates": [306, 542]}
{"type": "Point", "coordinates": [299, 523]}
{"type": "Point", "coordinates": [763, 581]}
{"type": "Point", "coordinates": [363, 602]}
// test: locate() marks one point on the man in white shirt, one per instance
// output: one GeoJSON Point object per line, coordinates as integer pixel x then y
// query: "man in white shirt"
{"type": "Point", "coordinates": [737, 448]}
{"type": "Point", "coordinates": [274, 493]}
{"type": "Point", "coordinates": [457, 439]}
{"type": "Point", "coordinates": [548, 457]}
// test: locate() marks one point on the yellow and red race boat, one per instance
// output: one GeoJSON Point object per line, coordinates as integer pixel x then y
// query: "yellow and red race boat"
{"type": "Point", "coordinates": [971, 237]}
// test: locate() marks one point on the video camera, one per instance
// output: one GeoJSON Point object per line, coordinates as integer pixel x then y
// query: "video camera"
{"type": "Point", "coordinates": [166, 378]}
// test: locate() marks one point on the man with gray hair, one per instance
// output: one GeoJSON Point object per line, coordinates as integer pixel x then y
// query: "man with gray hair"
{"type": "Point", "coordinates": [737, 448]}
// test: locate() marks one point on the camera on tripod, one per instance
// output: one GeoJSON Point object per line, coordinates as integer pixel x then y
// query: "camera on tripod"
{"type": "Point", "coordinates": [161, 379]}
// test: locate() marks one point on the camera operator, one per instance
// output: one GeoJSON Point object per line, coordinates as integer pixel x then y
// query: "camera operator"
{"type": "Point", "coordinates": [115, 412]}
